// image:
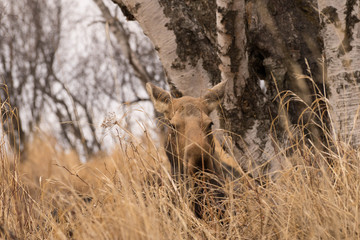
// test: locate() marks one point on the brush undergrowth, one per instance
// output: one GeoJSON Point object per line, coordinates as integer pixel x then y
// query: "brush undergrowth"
{"type": "Point", "coordinates": [129, 194]}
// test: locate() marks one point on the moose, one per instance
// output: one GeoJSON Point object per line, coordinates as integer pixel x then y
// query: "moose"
{"type": "Point", "coordinates": [190, 144]}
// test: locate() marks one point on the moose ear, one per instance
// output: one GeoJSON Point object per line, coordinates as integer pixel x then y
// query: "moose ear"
{"type": "Point", "coordinates": [159, 97]}
{"type": "Point", "coordinates": [215, 95]}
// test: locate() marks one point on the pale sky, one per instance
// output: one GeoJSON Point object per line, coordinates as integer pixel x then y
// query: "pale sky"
{"type": "Point", "coordinates": [81, 22]}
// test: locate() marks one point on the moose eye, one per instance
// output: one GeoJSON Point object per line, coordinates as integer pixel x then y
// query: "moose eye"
{"type": "Point", "coordinates": [172, 126]}
{"type": "Point", "coordinates": [209, 126]}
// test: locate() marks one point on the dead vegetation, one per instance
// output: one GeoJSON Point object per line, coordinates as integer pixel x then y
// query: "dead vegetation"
{"type": "Point", "coordinates": [129, 194]}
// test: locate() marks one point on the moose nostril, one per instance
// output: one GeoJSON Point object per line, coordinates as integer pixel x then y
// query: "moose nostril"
{"type": "Point", "coordinates": [197, 159]}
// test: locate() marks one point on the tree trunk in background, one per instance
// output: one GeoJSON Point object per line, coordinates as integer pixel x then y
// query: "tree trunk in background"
{"type": "Point", "coordinates": [341, 34]}
{"type": "Point", "coordinates": [184, 36]}
{"type": "Point", "coordinates": [268, 57]}
{"type": "Point", "coordinates": [262, 48]}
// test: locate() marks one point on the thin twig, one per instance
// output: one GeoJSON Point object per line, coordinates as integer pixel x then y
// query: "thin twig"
{"type": "Point", "coordinates": [73, 174]}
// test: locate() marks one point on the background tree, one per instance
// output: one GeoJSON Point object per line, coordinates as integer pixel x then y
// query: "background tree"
{"type": "Point", "coordinates": [270, 52]}
{"type": "Point", "coordinates": [27, 52]}
{"type": "Point", "coordinates": [64, 86]}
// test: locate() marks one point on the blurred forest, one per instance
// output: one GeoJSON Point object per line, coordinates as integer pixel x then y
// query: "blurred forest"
{"type": "Point", "coordinates": [66, 65]}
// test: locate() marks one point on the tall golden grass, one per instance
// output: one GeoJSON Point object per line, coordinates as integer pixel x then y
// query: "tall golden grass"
{"type": "Point", "coordinates": [129, 194]}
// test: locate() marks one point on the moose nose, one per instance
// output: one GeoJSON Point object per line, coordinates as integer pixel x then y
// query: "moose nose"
{"type": "Point", "coordinates": [197, 149]}
{"type": "Point", "coordinates": [197, 157]}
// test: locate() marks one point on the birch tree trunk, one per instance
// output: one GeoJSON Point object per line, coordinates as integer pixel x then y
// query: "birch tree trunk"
{"type": "Point", "coordinates": [262, 48]}
{"type": "Point", "coordinates": [341, 35]}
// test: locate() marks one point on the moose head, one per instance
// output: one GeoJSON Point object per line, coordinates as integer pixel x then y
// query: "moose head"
{"type": "Point", "coordinates": [190, 146]}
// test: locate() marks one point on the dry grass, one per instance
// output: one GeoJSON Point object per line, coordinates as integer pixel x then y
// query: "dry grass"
{"type": "Point", "coordinates": [130, 195]}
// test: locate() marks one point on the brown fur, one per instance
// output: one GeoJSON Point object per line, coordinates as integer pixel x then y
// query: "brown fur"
{"type": "Point", "coordinates": [190, 144]}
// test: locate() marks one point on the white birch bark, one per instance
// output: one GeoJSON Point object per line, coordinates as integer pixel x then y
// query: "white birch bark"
{"type": "Point", "coordinates": [193, 80]}
{"type": "Point", "coordinates": [246, 149]}
{"type": "Point", "coordinates": [150, 15]}
{"type": "Point", "coordinates": [343, 67]}
{"type": "Point", "coordinates": [247, 103]}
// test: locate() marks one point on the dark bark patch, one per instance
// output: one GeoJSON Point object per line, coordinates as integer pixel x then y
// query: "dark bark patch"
{"type": "Point", "coordinates": [331, 16]}
{"type": "Point", "coordinates": [233, 53]}
{"type": "Point", "coordinates": [228, 19]}
{"type": "Point", "coordinates": [350, 77]}
{"type": "Point", "coordinates": [293, 37]}
{"type": "Point", "coordinates": [350, 21]}
{"type": "Point", "coordinates": [194, 25]}
{"type": "Point", "coordinates": [127, 12]}
{"type": "Point", "coordinates": [280, 35]}
{"type": "Point", "coordinates": [229, 22]}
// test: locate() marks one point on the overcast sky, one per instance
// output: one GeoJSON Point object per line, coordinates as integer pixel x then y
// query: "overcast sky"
{"type": "Point", "coordinates": [82, 19]}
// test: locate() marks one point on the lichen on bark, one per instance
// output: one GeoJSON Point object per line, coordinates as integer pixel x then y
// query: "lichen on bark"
{"type": "Point", "coordinates": [280, 35]}
{"type": "Point", "coordinates": [350, 21]}
{"type": "Point", "coordinates": [284, 35]}
{"type": "Point", "coordinates": [194, 25]}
